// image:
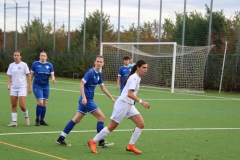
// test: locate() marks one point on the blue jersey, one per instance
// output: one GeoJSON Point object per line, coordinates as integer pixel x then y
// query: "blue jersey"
{"type": "Point", "coordinates": [123, 73]}
{"type": "Point", "coordinates": [91, 80]}
{"type": "Point", "coordinates": [42, 72]}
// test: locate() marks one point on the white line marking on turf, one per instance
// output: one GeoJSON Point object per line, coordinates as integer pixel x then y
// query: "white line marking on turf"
{"type": "Point", "coordinates": [123, 130]}
{"type": "Point", "coordinates": [193, 99]}
{"type": "Point", "coordinates": [199, 95]}
{"type": "Point", "coordinates": [217, 98]}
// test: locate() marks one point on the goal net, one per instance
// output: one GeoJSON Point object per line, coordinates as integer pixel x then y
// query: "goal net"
{"type": "Point", "coordinates": [179, 68]}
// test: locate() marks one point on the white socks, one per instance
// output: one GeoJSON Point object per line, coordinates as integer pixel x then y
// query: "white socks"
{"type": "Point", "coordinates": [25, 113]}
{"type": "Point", "coordinates": [135, 135]}
{"type": "Point", "coordinates": [104, 132]}
{"type": "Point", "coordinates": [14, 116]}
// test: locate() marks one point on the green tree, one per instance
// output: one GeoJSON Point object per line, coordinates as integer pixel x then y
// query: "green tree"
{"type": "Point", "coordinates": [168, 30]}
{"type": "Point", "coordinates": [196, 29]}
{"type": "Point", "coordinates": [39, 39]}
{"type": "Point", "coordinates": [93, 32]}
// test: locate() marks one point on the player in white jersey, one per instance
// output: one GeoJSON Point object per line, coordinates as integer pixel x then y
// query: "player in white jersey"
{"type": "Point", "coordinates": [124, 107]}
{"type": "Point", "coordinates": [18, 75]}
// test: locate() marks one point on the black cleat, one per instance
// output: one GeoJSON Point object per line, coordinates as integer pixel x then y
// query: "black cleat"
{"type": "Point", "coordinates": [105, 144]}
{"type": "Point", "coordinates": [60, 141]}
{"type": "Point", "coordinates": [43, 123]}
{"type": "Point", "coordinates": [37, 123]}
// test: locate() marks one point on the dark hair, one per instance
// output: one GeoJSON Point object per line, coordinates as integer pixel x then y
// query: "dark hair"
{"type": "Point", "coordinates": [126, 58]}
{"type": "Point", "coordinates": [134, 68]}
{"type": "Point", "coordinates": [98, 56]}
{"type": "Point", "coordinates": [43, 52]}
{"type": "Point", "coordinates": [17, 51]}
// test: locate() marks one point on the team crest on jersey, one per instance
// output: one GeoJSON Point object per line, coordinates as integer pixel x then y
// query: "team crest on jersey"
{"type": "Point", "coordinates": [47, 66]}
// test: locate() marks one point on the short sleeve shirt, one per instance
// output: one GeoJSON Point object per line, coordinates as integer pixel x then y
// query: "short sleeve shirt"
{"type": "Point", "coordinates": [91, 80]}
{"type": "Point", "coordinates": [42, 72]}
{"type": "Point", "coordinates": [18, 73]}
{"type": "Point", "coordinates": [123, 73]}
{"type": "Point", "coordinates": [133, 83]}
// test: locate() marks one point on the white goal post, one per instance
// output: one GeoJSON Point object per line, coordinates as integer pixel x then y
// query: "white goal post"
{"type": "Point", "coordinates": [180, 68]}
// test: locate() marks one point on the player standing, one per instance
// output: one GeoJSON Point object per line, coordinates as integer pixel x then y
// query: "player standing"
{"type": "Point", "coordinates": [18, 72]}
{"type": "Point", "coordinates": [123, 73]}
{"type": "Point", "coordinates": [41, 71]}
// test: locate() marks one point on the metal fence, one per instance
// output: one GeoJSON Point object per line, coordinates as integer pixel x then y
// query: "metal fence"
{"type": "Point", "coordinates": [124, 13]}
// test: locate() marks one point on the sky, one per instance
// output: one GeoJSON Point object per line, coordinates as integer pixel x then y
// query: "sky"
{"type": "Point", "coordinates": [149, 10]}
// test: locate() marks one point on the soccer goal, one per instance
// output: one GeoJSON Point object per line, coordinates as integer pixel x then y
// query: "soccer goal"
{"type": "Point", "coordinates": [179, 68]}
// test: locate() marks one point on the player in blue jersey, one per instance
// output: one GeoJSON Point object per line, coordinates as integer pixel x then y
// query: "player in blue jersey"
{"type": "Point", "coordinates": [41, 71]}
{"type": "Point", "coordinates": [91, 79]}
{"type": "Point", "coordinates": [123, 73]}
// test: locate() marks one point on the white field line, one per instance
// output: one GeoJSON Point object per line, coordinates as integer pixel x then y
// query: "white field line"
{"type": "Point", "coordinates": [123, 130]}
{"type": "Point", "coordinates": [213, 98]}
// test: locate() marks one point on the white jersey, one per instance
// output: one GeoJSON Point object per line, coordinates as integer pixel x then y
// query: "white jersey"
{"type": "Point", "coordinates": [18, 73]}
{"type": "Point", "coordinates": [133, 83]}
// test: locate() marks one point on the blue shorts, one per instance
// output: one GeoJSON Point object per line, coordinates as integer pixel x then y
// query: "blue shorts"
{"type": "Point", "coordinates": [90, 107]}
{"type": "Point", "coordinates": [41, 93]}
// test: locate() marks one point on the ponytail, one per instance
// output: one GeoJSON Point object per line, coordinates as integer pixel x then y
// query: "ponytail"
{"type": "Point", "coordinates": [133, 70]}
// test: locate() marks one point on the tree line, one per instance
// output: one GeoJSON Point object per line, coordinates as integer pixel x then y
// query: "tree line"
{"type": "Point", "coordinates": [196, 34]}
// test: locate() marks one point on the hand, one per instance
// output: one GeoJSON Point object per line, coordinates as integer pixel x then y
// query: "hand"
{"type": "Point", "coordinates": [8, 86]}
{"type": "Point", "coordinates": [84, 101]}
{"type": "Point", "coordinates": [113, 100]}
{"type": "Point", "coordinates": [54, 81]}
{"type": "Point", "coordinates": [145, 104]}
{"type": "Point", "coordinates": [29, 90]}
{"type": "Point", "coordinates": [118, 87]}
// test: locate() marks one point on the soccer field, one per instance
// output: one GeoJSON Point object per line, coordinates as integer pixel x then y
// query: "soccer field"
{"type": "Point", "coordinates": [177, 126]}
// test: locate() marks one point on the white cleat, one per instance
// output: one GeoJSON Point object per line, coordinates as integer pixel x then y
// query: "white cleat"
{"type": "Point", "coordinates": [27, 121]}
{"type": "Point", "coordinates": [12, 124]}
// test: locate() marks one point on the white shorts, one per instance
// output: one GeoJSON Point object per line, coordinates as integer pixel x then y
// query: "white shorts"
{"type": "Point", "coordinates": [123, 109]}
{"type": "Point", "coordinates": [22, 92]}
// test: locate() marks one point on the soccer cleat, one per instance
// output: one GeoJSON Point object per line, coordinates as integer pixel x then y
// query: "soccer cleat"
{"type": "Point", "coordinates": [131, 148]}
{"type": "Point", "coordinates": [105, 144]}
{"type": "Point", "coordinates": [92, 146]}
{"type": "Point", "coordinates": [12, 124]}
{"type": "Point", "coordinates": [27, 121]}
{"type": "Point", "coordinates": [61, 141]}
{"type": "Point", "coordinates": [43, 123]}
{"type": "Point", "coordinates": [37, 122]}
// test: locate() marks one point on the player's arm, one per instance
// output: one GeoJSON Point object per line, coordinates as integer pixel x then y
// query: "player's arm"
{"type": "Point", "coordinates": [81, 87]}
{"type": "Point", "coordinates": [9, 82]}
{"type": "Point", "coordinates": [53, 77]}
{"type": "Point", "coordinates": [104, 89]}
{"type": "Point", "coordinates": [29, 83]}
{"type": "Point", "coordinates": [32, 75]}
{"type": "Point", "coordinates": [118, 82]}
{"type": "Point", "coordinates": [135, 98]}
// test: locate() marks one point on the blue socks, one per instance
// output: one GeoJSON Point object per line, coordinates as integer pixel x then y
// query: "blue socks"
{"type": "Point", "coordinates": [100, 126]}
{"type": "Point", "coordinates": [40, 112]}
{"type": "Point", "coordinates": [43, 113]}
{"type": "Point", "coordinates": [67, 129]}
